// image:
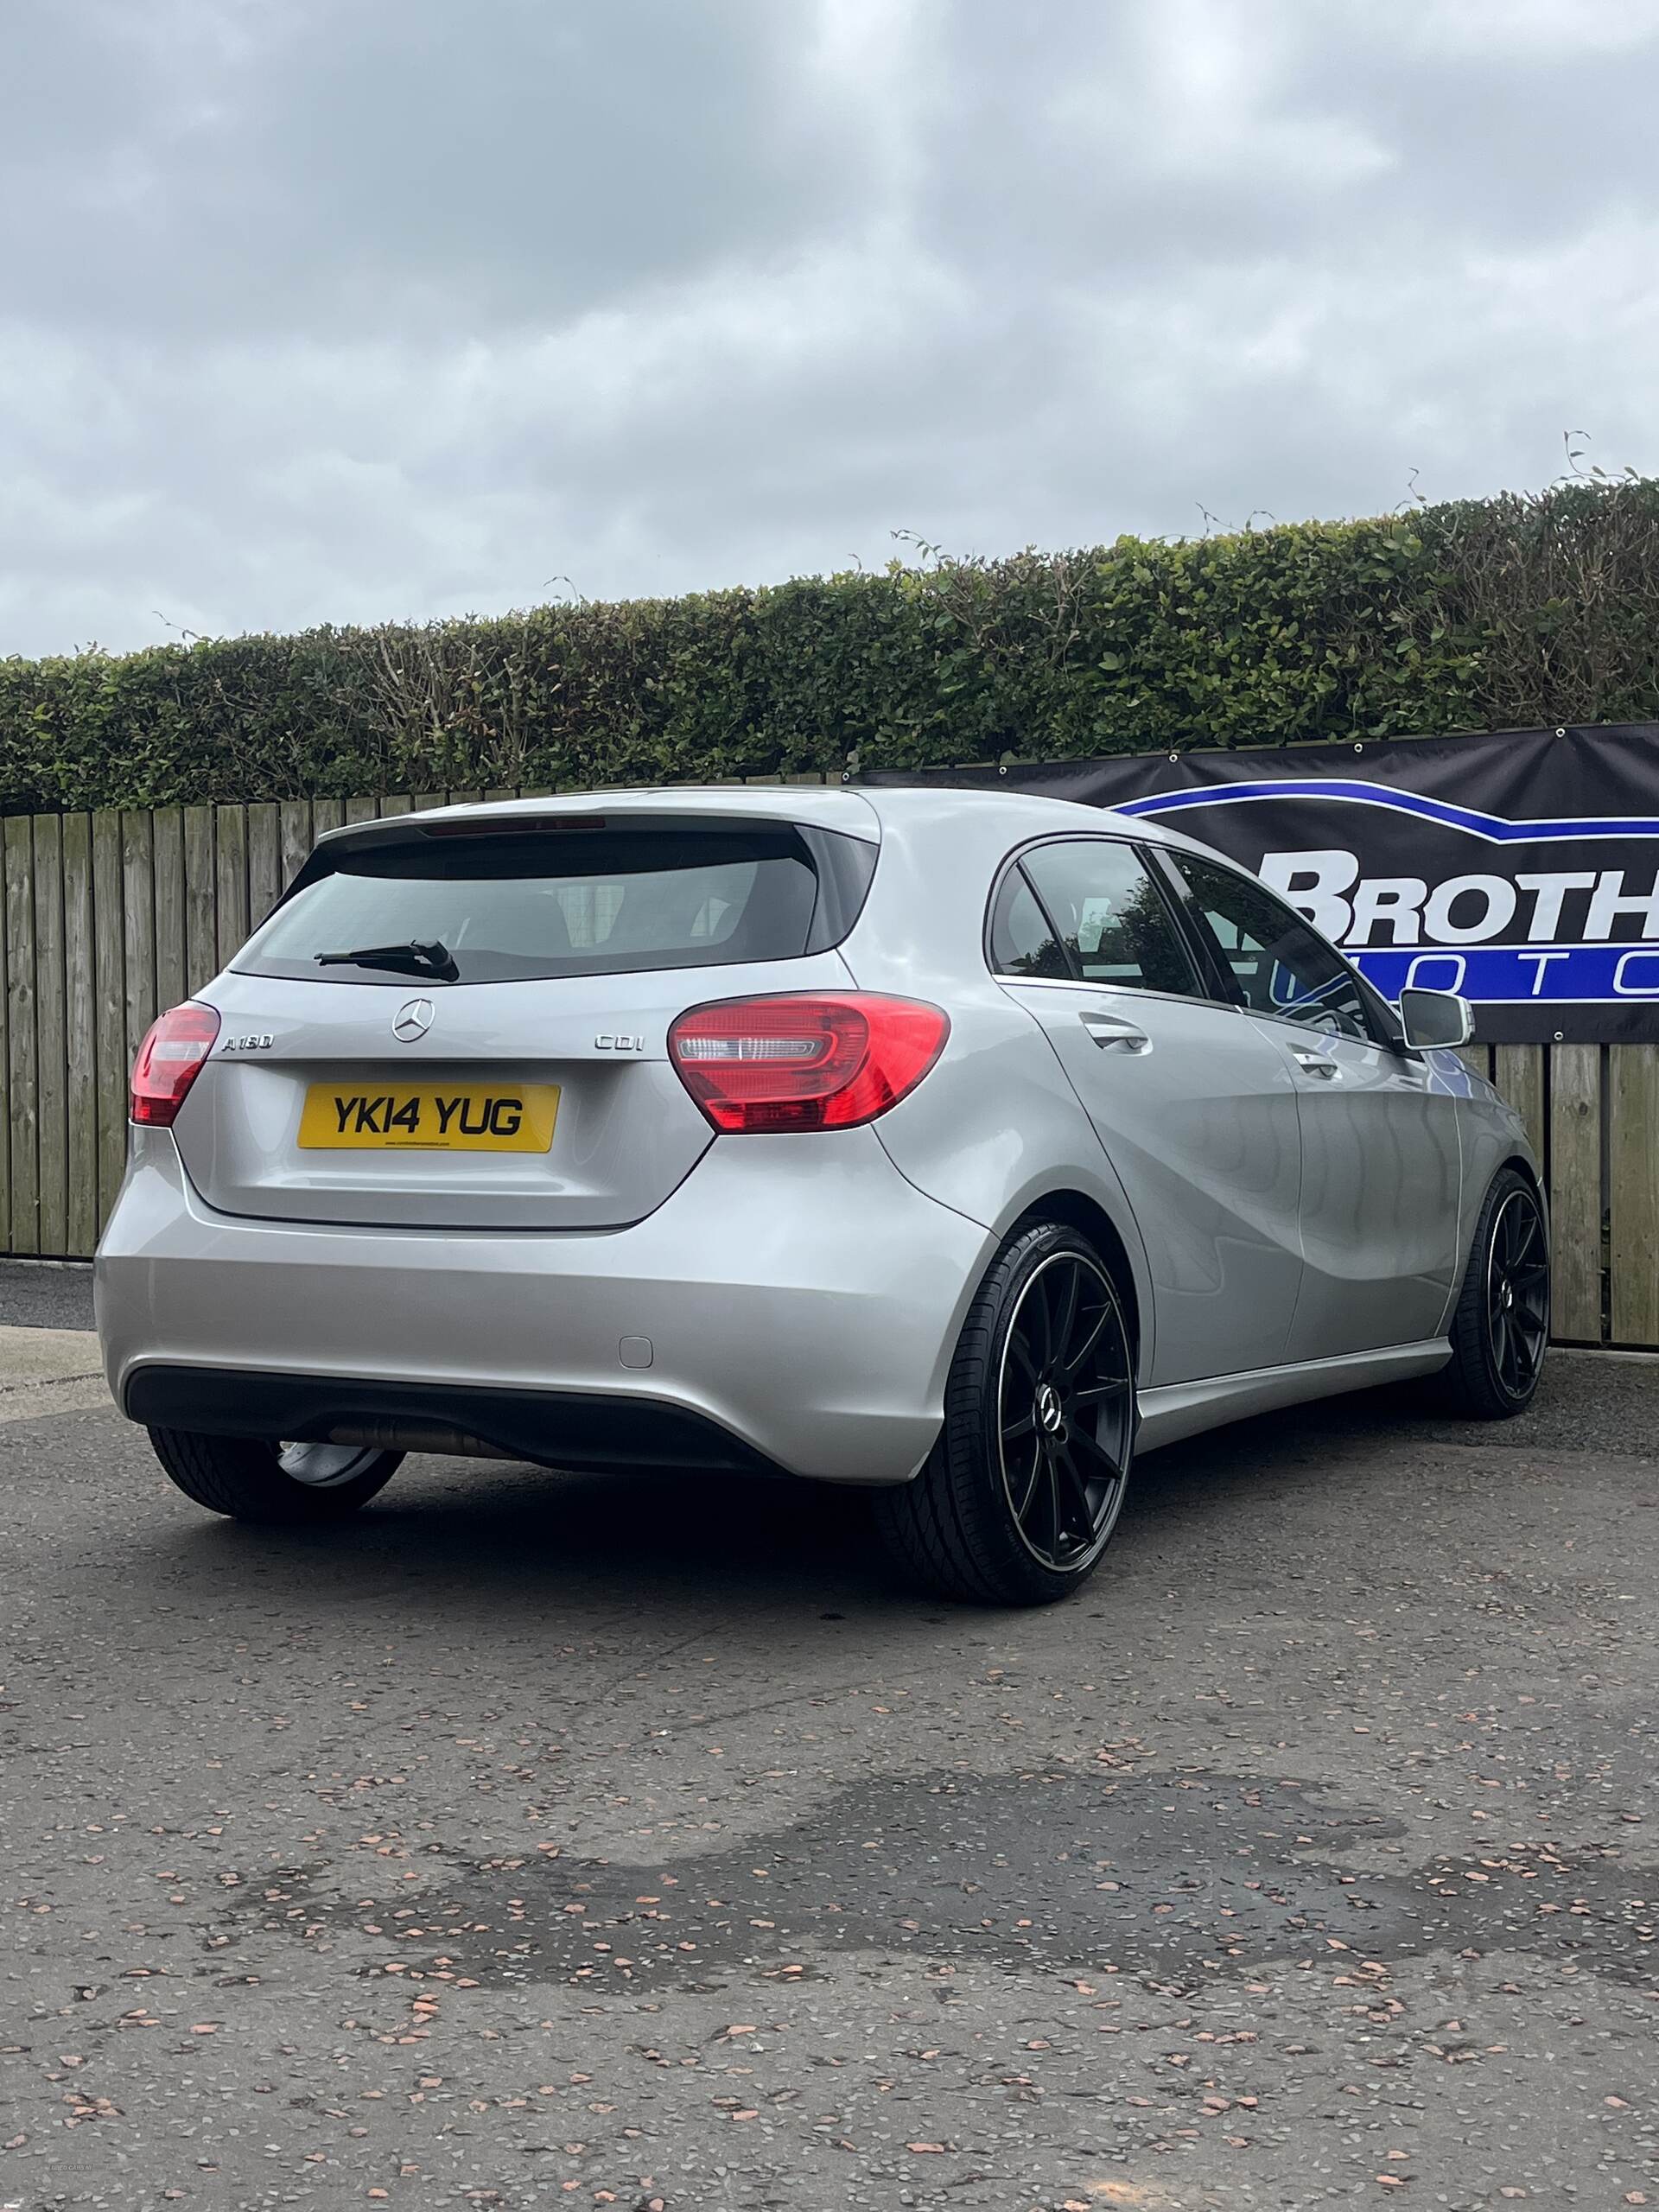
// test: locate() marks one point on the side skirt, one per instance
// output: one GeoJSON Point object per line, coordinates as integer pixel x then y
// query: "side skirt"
{"type": "Point", "coordinates": [1178, 1409]}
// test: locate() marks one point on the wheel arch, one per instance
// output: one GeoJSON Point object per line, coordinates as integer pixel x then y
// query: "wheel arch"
{"type": "Point", "coordinates": [1525, 1166]}
{"type": "Point", "coordinates": [1090, 1219]}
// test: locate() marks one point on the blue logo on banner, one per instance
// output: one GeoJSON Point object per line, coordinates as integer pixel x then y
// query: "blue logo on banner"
{"type": "Point", "coordinates": [1503, 964]}
{"type": "Point", "coordinates": [1492, 828]}
{"type": "Point", "coordinates": [1549, 974]}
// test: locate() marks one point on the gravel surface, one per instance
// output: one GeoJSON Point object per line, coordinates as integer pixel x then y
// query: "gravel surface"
{"type": "Point", "coordinates": [535, 1841]}
{"type": "Point", "coordinates": [55, 1294]}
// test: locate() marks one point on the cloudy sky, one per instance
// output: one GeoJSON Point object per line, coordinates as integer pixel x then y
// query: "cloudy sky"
{"type": "Point", "coordinates": [344, 310]}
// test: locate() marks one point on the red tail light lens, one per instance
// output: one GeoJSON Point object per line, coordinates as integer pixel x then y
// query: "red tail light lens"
{"type": "Point", "coordinates": [811, 1060]}
{"type": "Point", "coordinates": [169, 1060]}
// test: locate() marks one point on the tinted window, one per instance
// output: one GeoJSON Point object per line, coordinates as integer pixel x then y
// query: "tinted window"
{"type": "Point", "coordinates": [1022, 943]}
{"type": "Point", "coordinates": [590, 902]}
{"type": "Point", "coordinates": [1280, 966]}
{"type": "Point", "coordinates": [1112, 920]}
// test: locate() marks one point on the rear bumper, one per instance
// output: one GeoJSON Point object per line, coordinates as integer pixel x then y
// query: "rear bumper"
{"type": "Point", "coordinates": [585, 1432]}
{"type": "Point", "coordinates": [800, 1301]}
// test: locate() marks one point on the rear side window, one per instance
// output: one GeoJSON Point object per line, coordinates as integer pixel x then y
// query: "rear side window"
{"type": "Point", "coordinates": [1112, 921]}
{"type": "Point", "coordinates": [1023, 942]}
{"type": "Point", "coordinates": [516, 903]}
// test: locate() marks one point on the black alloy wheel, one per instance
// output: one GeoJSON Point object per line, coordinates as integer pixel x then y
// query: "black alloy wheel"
{"type": "Point", "coordinates": [1518, 1293]}
{"type": "Point", "coordinates": [1499, 1327]}
{"type": "Point", "coordinates": [1018, 1499]}
{"type": "Point", "coordinates": [1064, 1412]}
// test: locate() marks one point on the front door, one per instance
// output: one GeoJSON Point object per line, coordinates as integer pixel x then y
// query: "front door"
{"type": "Point", "coordinates": [1194, 1103]}
{"type": "Point", "coordinates": [1380, 1142]}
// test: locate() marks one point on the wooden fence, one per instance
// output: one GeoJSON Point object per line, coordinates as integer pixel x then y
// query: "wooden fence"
{"type": "Point", "coordinates": [107, 917]}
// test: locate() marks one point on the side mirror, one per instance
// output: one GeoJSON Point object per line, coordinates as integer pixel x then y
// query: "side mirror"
{"type": "Point", "coordinates": [1435, 1020]}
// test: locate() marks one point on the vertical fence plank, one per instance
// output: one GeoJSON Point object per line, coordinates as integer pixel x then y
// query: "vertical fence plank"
{"type": "Point", "coordinates": [1575, 1209]}
{"type": "Point", "coordinates": [21, 1063]}
{"type": "Point", "coordinates": [362, 809]}
{"type": "Point", "coordinates": [1478, 1057]}
{"type": "Point", "coordinates": [79, 1029]}
{"type": "Point", "coordinates": [230, 880]}
{"type": "Point", "coordinates": [110, 1007]}
{"type": "Point", "coordinates": [293, 836]}
{"type": "Point", "coordinates": [172, 962]}
{"type": "Point", "coordinates": [200, 898]}
{"type": "Point", "coordinates": [326, 813]}
{"type": "Point", "coordinates": [1519, 1074]}
{"type": "Point", "coordinates": [396, 802]}
{"type": "Point", "coordinates": [138, 925]}
{"type": "Point", "coordinates": [51, 1045]}
{"type": "Point", "coordinates": [264, 862]}
{"type": "Point", "coordinates": [1633, 1193]}
{"type": "Point", "coordinates": [5, 1058]}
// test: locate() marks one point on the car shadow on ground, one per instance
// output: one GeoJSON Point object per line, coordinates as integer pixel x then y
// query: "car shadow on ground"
{"type": "Point", "coordinates": [457, 1535]}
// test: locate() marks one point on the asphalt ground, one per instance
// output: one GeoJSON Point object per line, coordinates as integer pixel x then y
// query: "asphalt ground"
{"type": "Point", "coordinates": [54, 1294]}
{"type": "Point", "coordinates": [536, 1840]}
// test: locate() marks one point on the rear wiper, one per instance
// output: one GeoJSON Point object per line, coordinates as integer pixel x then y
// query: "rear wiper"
{"type": "Point", "coordinates": [412, 959]}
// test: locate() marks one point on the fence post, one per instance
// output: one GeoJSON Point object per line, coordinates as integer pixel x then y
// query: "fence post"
{"type": "Point", "coordinates": [1575, 1206]}
{"type": "Point", "coordinates": [21, 1066]}
{"type": "Point", "coordinates": [51, 1044]}
{"type": "Point", "coordinates": [108, 1006]}
{"type": "Point", "coordinates": [80, 1033]}
{"type": "Point", "coordinates": [1633, 1193]}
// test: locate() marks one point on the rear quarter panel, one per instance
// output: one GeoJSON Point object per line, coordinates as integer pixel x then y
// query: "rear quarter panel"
{"type": "Point", "coordinates": [995, 1127]}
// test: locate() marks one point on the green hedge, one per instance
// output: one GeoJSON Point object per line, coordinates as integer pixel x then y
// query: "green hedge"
{"type": "Point", "coordinates": [1513, 612]}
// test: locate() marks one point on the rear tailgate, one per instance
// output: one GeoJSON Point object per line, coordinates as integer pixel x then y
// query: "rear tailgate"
{"type": "Point", "coordinates": [625, 1132]}
{"type": "Point", "coordinates": [523, 1080]}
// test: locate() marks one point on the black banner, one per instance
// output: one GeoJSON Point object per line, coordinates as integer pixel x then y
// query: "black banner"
{"type": "Point", "coordinates": [1521, 868]}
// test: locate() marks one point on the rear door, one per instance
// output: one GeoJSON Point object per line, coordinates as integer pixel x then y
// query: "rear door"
{"type": "Point", "coordinates": [1380, 1136]}
{"type": "Point", "coordinates": [463, 1021]}
{"type": "Point", "coordinates": [1195, 1107]}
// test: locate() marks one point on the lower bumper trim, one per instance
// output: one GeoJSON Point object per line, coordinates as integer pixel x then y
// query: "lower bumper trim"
{"type": "Point", "coordinates": [587, 1432]}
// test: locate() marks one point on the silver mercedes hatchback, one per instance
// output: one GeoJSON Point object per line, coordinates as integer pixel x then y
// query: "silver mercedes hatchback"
{"type": "Point", "coordinates": [961, 1144]}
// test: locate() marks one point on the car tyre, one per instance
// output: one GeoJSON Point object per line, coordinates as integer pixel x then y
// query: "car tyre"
{"type": "Point", "coordinates": [251, 1480]}
{"type": "Point", "coordinates": [1018, 1500]}
{"type": "Point", "coordinates": [1500, 1325]}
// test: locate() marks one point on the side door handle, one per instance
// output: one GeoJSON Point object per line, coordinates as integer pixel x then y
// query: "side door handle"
{"type": "Point", "coordinates": [1113, 1035]}
{"type": "Point", "coordinates": [1315, 1063]}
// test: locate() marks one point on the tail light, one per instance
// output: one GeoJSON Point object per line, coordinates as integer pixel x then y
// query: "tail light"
{"type": "Point", "coordinates": [169, 1060]}
{"type": "Point", "coordinates": [809, 1060]}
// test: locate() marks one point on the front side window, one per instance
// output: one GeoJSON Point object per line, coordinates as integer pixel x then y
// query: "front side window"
{"type": "Point", "coordinates": [1280, 966]}
{"type": "Point", "coordinates": [1110, 920]}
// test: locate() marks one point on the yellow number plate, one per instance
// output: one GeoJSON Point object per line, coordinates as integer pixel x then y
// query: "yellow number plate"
{"type": "Point", "coordinates": [428, 1117]}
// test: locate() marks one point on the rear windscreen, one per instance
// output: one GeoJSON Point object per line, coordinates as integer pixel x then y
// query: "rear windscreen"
{"type": "Point", "coordinates": [506, 906]}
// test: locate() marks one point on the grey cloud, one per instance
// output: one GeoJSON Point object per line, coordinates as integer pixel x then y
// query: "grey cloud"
{"type": "Point", "coordinates": [344, 311]}
{"type": "Point", "coordinates": [1069, 142]}
{"type": "Point", "coordinates": [386, 164]}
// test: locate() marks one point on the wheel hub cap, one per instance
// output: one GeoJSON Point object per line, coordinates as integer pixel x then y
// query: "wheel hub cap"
{"type": "Point", "coordinates": [1051, 1413]}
